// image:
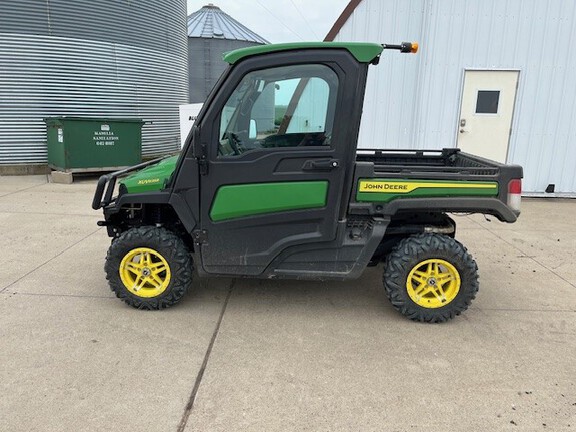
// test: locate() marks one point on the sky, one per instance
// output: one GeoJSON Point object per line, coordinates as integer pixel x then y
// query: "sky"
{"type": "Point", "coordinates": [281, 20]}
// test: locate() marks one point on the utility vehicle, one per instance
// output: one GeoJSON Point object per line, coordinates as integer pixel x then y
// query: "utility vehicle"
{"type": "Point", "coordinates": [271, 184]}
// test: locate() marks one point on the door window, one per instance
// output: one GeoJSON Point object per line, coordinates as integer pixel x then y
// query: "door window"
{"type": "Point", "coordinates": [289, 106]}
{"type": "Point", "coordinates": [487, 102]}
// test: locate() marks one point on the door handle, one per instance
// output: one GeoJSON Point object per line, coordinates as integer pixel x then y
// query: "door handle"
{"type": "Point", "coordinates": [321, 165]}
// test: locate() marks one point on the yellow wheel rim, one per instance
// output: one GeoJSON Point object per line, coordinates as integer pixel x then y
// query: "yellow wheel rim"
{"type": "Point", "coordinates": [144, 272]}
{"type": "Point", "coordinates": [433, 283]}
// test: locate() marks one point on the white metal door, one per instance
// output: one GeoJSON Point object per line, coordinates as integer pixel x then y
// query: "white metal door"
{"type": "Point", "coordinates": [486, 113]}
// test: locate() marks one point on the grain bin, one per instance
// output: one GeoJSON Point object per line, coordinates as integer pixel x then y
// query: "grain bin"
{"type": "Point", "coordinates": [212, 32]}
{"type": "Point", "coordinates": [90, 58]}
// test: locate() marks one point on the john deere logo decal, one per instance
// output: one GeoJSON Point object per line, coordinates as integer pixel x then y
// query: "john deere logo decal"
{"type": "Point", "coordinates": [367, 186]}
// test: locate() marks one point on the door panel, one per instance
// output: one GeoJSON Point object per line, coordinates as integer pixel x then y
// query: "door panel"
{"type": "Point", "coordinates": [241, 200]}
{"type": "Point", "coordinates": [486, 113]}
{"type": "Point", "coordinates": [278, 157]}
{"type": "Point", "coordinates": [252, 212]}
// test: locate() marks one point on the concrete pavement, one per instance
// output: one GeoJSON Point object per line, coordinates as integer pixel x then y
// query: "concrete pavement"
{"type": "Point", "coordinates": [279, 355]}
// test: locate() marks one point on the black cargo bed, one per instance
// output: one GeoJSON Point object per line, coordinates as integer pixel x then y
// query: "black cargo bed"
{"type": "Point", "coordinates": [445, 164]}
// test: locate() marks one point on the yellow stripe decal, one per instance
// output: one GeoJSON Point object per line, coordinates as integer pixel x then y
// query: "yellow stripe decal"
{"type": "Point", "coordinates": [402, 187]}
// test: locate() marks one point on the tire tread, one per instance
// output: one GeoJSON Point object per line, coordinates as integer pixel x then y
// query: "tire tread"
{"type": "Point", "coordinates": [179, 258]}
{"type": "Point", "coordinates": [411, 250]}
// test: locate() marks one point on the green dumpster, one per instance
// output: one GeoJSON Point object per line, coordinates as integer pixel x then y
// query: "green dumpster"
{"type": "Point", "coordinates": [81, 144]}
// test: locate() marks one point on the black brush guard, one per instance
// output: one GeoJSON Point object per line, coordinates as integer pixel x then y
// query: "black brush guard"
{"type": "Point", "coordinates": [110, 180]}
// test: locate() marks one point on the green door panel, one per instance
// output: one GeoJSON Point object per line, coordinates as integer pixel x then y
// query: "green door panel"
{"type": "Point", "coordinates": [236, 201]}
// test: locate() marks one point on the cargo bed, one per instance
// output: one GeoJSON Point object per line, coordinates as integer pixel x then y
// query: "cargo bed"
{"type": "Point", "coordinates": [388, 181]}
{"type": "Point", "coordinates": [447, 162]}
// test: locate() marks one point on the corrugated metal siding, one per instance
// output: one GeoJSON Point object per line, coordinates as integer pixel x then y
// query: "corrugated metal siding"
{"type": "Point", "coordinates": [140, 72]}
{"type": "Point", "coordinates": [414, 101]}
{"type": "Point", "coordinates": [388, 106]}
{"type": "Point", "coordinates": [150, 24]}
{"type": "Point", "coordinates": [205, 64]}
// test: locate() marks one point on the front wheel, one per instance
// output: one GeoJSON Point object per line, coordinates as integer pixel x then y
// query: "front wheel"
{"type": "Point", "coordinates": [149, 268]}
{"type": "Point", "coordinates": [430, 278]}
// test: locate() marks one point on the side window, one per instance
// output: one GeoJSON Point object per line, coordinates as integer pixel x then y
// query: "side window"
{"type": "Point", "coordinates": [310, 114]}
{"type": "Point", "coordinates": [287, 106]}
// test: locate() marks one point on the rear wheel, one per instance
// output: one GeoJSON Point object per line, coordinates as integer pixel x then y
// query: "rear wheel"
{"type": "Point", "coordinates": [430, 278]}
{"type": "Point", "coordinates": [149, 268]}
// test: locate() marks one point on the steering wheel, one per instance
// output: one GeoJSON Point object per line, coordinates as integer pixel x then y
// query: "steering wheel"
{"type": "Point", "coordinates": [235, 143]}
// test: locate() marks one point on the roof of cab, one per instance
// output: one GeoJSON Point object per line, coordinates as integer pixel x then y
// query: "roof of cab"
{"type": "Point", "coordinates": [364, 52]}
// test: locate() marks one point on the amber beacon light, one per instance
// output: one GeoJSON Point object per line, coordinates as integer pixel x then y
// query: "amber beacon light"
{"type": "Point", "coordinates": [405, 47]}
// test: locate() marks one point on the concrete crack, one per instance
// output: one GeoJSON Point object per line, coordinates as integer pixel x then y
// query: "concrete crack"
{"type": "Point", "coordinates": [22, 190]}
{"type": "Point", "coordinates": [191, 400]}
{"type": "Point", "coordinates": [49, 260]}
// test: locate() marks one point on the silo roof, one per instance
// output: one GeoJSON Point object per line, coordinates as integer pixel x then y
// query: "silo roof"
{"type": "Point", "coordinates": [212, 22]}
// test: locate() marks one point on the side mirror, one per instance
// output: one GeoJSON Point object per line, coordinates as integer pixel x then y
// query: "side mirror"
{"type": "Point", "coordinates": [253, 133]}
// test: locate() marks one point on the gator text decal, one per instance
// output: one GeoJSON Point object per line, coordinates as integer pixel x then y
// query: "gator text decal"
{"type": "Point", "coordinates": [148, 181]}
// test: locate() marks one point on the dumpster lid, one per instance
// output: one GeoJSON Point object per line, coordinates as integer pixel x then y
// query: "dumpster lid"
{"type": "Point", "coordinates": [94, 119]}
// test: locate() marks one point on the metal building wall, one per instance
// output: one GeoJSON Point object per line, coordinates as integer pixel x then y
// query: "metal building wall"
{"type": "Point", "coordinates": [111, 58]}
{"type": "Point", "coordinates": [205, 64]}
{"type": "Point", "coordinates": [414, 101]}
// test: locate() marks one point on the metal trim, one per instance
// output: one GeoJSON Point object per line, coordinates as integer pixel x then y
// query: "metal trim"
{"type": "Point", "coordinates": [342, 19]}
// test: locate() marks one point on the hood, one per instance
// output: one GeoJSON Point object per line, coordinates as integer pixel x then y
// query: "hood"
{"type": "Point", "coordinates": [151, 178]}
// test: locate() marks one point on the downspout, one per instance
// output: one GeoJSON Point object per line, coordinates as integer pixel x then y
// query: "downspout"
{"type": "Point", "coordinates": [424, 37]}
